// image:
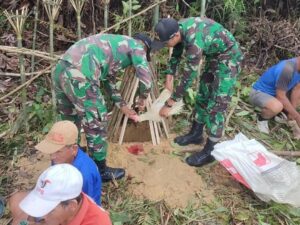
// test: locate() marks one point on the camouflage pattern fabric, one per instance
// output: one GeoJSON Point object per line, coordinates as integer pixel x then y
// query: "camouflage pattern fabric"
{"type": "Point", "coordinates": [203, 36]}
{"type": "Point", "coordinates": [89, 63]}
{"type": "Point", "coordinates": [215, 90]}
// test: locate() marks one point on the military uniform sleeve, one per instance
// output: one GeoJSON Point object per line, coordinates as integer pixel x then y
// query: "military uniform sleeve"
{"type": "Point", "coordinates": [111, 89]}
{"type": "Point", "coordinates": [193, 57]}
{"type": "Point", "coordinates": [143, 71]}
{"type": "Point", "coordinates": [175, 59]}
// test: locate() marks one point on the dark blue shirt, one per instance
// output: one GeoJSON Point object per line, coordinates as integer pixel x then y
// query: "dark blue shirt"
{"type": "Point", "coordinates": [92, 183]}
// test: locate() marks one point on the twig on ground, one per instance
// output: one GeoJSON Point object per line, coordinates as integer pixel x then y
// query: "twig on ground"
{"type": "Point", "coordinates": [233, 109]}
{"type": "Point", "coordinates": [27, 51]}
{"type": "Point", "coordinates": [18, 75]}
{"type": "Point", "coordinates": [25, 84]}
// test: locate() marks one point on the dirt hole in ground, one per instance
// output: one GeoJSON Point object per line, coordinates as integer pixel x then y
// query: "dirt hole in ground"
{"type": "Point", "coordinates": [157, 174]}
{"type": "Point", "coordinates": [137, 132]}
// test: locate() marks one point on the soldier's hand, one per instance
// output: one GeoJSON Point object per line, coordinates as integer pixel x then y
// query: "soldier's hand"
{"type": "Point", "coordinates": [169, 82]}
{"type": "Point", "coordinates": [164, 111]}
{"type": "Point", "coordinates": [130, 113]}
{"type": "Point", "coordinates": [141, 104]}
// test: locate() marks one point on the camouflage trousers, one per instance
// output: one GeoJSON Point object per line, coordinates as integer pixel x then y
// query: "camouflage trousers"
{"type": "Point", "coordinates": [216, 89]}
{"type": "Point", "coordinates": [82, 102]}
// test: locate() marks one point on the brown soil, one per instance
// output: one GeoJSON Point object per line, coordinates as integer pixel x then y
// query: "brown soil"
{"type": "Point", "coordinates": [158, 174]}
{"type": "Point", "coordinates": [139, 132]}
{"type": "Point", "coordinates": [29, 170]}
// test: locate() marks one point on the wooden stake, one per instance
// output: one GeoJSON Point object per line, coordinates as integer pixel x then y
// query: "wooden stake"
{"type": "Point", "coordinates": [129, 104]}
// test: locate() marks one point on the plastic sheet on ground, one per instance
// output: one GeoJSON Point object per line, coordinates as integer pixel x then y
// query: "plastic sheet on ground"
{"type": "Point", "coordinates": [269, 176]}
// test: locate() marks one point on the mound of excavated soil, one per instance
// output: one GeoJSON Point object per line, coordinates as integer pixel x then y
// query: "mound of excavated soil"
{"type": "Point", "coordinates": [155, 174]}
{"type": "Point", "coordinates": [159, 175]}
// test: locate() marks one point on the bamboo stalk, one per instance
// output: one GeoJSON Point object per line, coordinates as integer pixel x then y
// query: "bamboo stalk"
{"type": "Point", "coordinates": [155, 15]}
{"type": "Point", "coordinates": [203, 3]}
{"type": "Point", "coordinates": [106, 11]}
{"type": "Point", "coordinates": [133, 16]}
{"type": "Point", "coordinates": [18, 21]}
{"type": "Point", "coordinates": [19, 75]}
{"type": "Point", "coordinates": [78, 5]}
{"type": "Point", "coordinates": [52, 9]}
{"type": "Point", "coordinates": [130, 21]}
{"type": "Point", "coordinates": [151, 124]}
{"type": "Point", "coordinates": [93, 17]}
{"type": "Point", "coordinates": [27, 51]}
{"type": "Point", "coordinates": [117, 114]}
{"type": "Point", "coordinates": [36, 13]}
{"type": "Point", "coordinates": [136, 83]}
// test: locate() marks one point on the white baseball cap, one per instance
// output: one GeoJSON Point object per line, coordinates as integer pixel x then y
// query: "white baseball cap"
{"type": "Point", "coordinates": [56, 184]}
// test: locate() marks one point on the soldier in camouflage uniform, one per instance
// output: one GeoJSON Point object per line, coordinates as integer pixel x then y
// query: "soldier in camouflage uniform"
{"type": "Point", "coordinates": [198, 37]}
{"type": "Point", "coordinates": [89, 66]}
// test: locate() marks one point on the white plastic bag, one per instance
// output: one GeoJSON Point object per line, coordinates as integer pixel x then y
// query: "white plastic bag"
{"type": "Point", "coordinates": [269, 176]}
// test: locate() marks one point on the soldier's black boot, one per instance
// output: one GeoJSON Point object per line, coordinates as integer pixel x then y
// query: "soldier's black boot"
{"type": "Point", "coordinates": [108, 173]}
{"type": "Point", "coordinates": [203, 157]}
{"type": "Point", "coordinates": [193, 137]}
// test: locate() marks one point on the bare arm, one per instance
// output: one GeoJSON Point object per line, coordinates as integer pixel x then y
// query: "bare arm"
{"type": "Point", "coordinates": [295, 96]}
{"type": "Point", "coordinates": [287, 105]}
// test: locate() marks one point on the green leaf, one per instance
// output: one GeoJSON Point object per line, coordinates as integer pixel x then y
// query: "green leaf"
{"type": "Point", "coordinates": [242, 113]}
{"type": "Point", "coordinates": [119, 218]}
{"type": "Point", "coordinates": [238, 85]}
{"type": "Point", "coordinates": [221, 209]}
{"type": "Point", "coordinates": [135, 7]}
{"type": "Point", "coordinates": [246, 91]}
{"type": "Point", "coordinates": [295, 211]}
{"type": "Point", "coordinates": [125, 7]}
{"type": "Point", "coordinates": [242, 216]}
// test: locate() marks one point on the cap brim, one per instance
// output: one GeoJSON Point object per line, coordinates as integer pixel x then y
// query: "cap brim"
{"type": "Point", "coordinates": [157, 45]}
{"type": "Point", "coordinates": [35, 206]}
{"type": "Point", "coordinates": [48, 147]}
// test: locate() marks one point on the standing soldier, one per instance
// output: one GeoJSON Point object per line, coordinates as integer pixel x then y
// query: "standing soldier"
{"type": "Point", "coordinates": [88, 67]}
{"type": "Point", "coordinates": [198, 37]}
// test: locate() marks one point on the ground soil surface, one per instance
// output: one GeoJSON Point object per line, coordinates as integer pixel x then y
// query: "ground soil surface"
{"type": "Point", "coordinates": [156, 174]}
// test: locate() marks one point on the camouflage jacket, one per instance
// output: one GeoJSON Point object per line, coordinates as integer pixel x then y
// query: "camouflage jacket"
{"type": "Point", "coordinates": [200, 36]}
{"type": "Point", "coordinates": [100, 57]}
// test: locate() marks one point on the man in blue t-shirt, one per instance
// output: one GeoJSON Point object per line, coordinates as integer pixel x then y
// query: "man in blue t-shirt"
{"type": "Point", "coordinates": [277, 90]}
{"type": "Point", "coordinates": [61, 144]}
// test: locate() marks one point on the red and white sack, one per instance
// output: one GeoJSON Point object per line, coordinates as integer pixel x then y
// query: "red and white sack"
{"type": "Point", "coordinates": [269, 176]}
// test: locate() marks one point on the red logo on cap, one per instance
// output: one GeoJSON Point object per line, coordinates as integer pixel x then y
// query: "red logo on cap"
{"type": "Point", "coordinates": [43, 185]}
{"type": "Point", "coordinates": [56, 137]}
